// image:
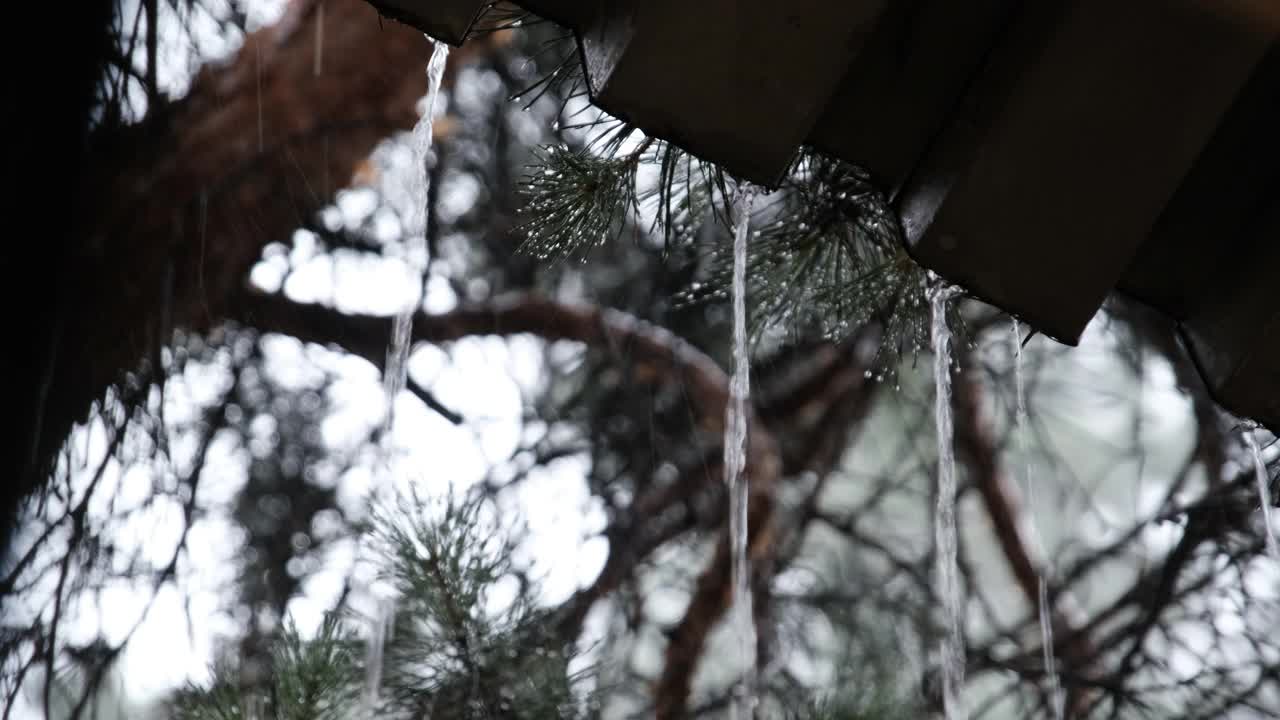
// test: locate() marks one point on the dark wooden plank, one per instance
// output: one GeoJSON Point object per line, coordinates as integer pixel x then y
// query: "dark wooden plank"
{"type": "Point", "coordinates": [1234, 331]}
{"type": "Point", "coordinates": [736, 83]}
{"type": "Point", "coordinates": [1041, 189]}
{"type": "Point", "coordinates": [444, 20]}
{"type": "Point", "coordinates": [900, 89]}
{"type": "Point", "coordinates": [1202, 236]}
{"type": "Point", "coordinates": [572, 14]}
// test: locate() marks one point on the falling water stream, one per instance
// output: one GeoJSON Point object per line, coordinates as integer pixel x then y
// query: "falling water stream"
{"type": "Point", "coordinates": [379, 634]}
{"type": "Point", "coordinates": [742, 622]}
{"type": "Point", "coordinates": [415, 236]}
{"type": "Point", "coordinates": [395, 376]}
{"type": "Point", "coordinates": [945, 520]}
{"type": "Point", "coordinates": [1264, 494]}
{"type": "Point", "coordinates": [1042, 587]}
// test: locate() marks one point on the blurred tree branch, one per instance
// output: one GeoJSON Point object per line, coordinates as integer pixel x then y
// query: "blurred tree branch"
{"type": "Point", "coordinates": [816, 408]}
{"type": "Point", "coordinates": [977, 442]}
{"type": "Point", "coordinates": [175, 210]}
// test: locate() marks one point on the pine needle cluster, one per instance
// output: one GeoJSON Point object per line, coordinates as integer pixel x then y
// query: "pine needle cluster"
{"type": "Point", "coordinates": [451, 651]}
{"type": "Point", "coordinates": [574, 200]}
{"type": "Point", "coordinates": [825, 255]}
{"type": "Point", "coordinates": [316, 678]}
{"type": "Point", "coordinates": [450, 655]}
{"type": "Point", "coordinates": [825, 258]}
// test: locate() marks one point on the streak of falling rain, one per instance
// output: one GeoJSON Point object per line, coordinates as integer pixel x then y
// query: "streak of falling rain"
{"type": "Point", "coordinates": [204, 232]}
{"type": "Point", "coordinates": [415, 235]}
{"type": "Point", "coordinates": [1020, 415]}
{"type": "Point", "coordinates": [1264, 494]}
{"type": "Point", "coordinates": [742, 620]}
{"type": "Point", "coordinates": [257, 69]}
{"type": "Point", "coordinates": [1042, 586]}
{"type": "Point", "coordinates": [1056, 700]}
{"type": "Point", "coordinates": [953, 649]}
{"type": "Point", "coordinates": [317, 67]}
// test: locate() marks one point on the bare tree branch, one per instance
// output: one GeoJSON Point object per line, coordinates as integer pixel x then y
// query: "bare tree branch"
{"type": "Point", "coordinates": [1002, 502]}
{"type": "Point", "coordinates": [175, 210]}
{"type": "Point", "coordinates": [655, 353]}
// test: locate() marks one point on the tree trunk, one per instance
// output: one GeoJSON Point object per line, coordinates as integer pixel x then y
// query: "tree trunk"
{"type": "Point", "coordinates": [171, 213]}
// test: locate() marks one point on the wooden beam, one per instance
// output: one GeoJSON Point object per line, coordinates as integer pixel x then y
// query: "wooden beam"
{"type": "Point", "coordinates": [739, 84]}
{"type": "Point", "coordinates": [1061, 157]}
{"type": "Point", "coordinates": [445, 20]}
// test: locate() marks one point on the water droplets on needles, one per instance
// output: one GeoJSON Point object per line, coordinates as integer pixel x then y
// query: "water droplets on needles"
{"type": "Point", "coordinates": [742, 621]}
{"type": "Point", "coordinates": [945, 536]}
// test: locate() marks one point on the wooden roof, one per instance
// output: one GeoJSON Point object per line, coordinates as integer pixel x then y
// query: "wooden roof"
{"type": "Point", "coordinates": [1041, 154]}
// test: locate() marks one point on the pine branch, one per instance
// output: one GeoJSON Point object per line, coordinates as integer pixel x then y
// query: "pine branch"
{"type": "Point", "coordinates": [814, 240]}
{"type": "Point", "coordinates": [313, 679]}
{"type": "Point", "coordinates": [221, 700]}
{"type": "Point", "coordinates": [450, 655]}
{"type": "Point", "coordinates": [564, 82]}
{"type": "Point", "coordinates": [825, 258]}
{"type": "Point", "coordinates": [575, 200]}
{"type": "Point", "coordinates": [684, 196]}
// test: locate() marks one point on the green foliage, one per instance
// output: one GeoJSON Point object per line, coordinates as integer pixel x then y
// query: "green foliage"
{"type": "Point", "coordinates": [221, 700]}
{"type": "Point", "coordinates": [826, 254]}
{"type": "Point", "coordinates": [575, 200]}
{"type": "Point", "coordinates": [829, 255]}
{"type": "Point", "coordinates": [315, 679]}
{"type": "Point", "coordinates": [825, 257]}
{"type": "Point", "coordinates": [687, 192]}
{"type": "Point", "coordinates": [451, 654]}
{"type": "Point", "coordinates": [453, 651]}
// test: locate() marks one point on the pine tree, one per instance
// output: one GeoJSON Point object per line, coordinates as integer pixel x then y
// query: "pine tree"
{"type": "Point", "coordinates": [826, 254]}
{"type": "Point", "coordinates": [825, 258]}
{"type": "Point", "coordinates": [445, 653]}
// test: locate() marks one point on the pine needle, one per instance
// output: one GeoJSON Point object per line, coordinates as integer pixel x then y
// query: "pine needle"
{"type": "Point", "coordinates": [575, 200]}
